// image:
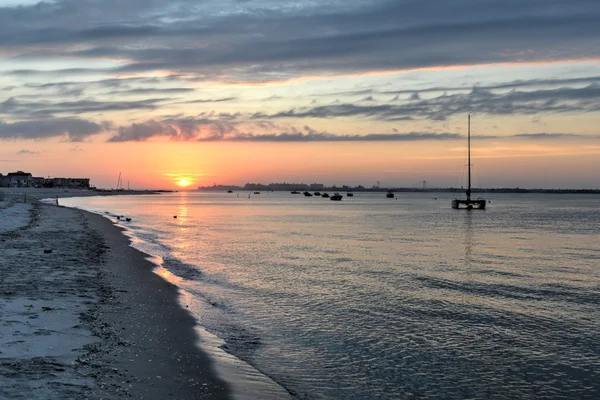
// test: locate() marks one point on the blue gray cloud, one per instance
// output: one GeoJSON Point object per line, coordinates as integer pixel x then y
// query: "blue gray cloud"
{"type": "Point", "coordinates": [217, 129]}
{"type": "Point", "coordinates": [72, 129]}
{"type": "Point", "coordinates": [208, 129]}
{"type": "Point", "coordinates": [260, 39]}
{"type": "Point", "coordinates": [33, 109]}
{"type": "Point", "coordinates": [27, 152]}
{"type": "Point", "coordinates": [477, 100]}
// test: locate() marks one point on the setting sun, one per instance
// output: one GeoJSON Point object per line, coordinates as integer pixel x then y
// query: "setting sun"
{"type": "Point", "coordinates": [183, 182]}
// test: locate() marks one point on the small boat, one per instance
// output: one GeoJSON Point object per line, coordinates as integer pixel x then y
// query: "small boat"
{"type": "Point", "coordinates": [128, 219]}
{"type": "Point", "coordinates": [336, 197]}
{"type": "Point", "coordinates": [350, 194]}
{"type": "Point", "coordinates": [230, 191]}
{"type": "Point", "coordinates": [317, 193]}
{"type": "Point", "coordinates": [389, 195]}
{"type": "Point", "coordinates": [295, 192]}
{"type": "Point", "coordinates": [256, 192]}
{"type": "Point", "coordinates": [468, 203]}
{"type": "Point", "coordinates": [307, 194]}
{"type": "Point", "coordinates": [326, 195]}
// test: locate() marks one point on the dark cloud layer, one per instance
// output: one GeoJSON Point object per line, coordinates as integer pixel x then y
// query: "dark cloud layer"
{"type": "Point", "coordinates": [176, 129]}
{"type": "Point", "coordinates": [27, 152]}
{"type": "Point", "coordinates": [313, 136]}
{"type": "Point", "coordinates": [72, 129]}
{"type": "Point", "coordinates": [209, 130]}
{"type": "Point", "coordinates": [32, 109]}
{"type": "Point", "coordinates": [183, 42]}
{"type": "Point", "coordinates": [260, 39]}
{"type": "Point", "coordinates": [216, 130]}
{"type": "Point", "coordinates": [478, 100]}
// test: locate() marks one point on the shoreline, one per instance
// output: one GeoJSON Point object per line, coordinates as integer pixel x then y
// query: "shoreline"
{"type": "Point", "coordinates": [84, 316]}
{"type": "Point", "coordinates": [134, 337]}
{"type": "Point", "coordinates": [145, 331]}
{"type": "Point", "coordinates": [242, 381]}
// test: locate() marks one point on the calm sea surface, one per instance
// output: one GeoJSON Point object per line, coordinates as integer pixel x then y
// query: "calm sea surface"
{"type": "Point", "coordinates": [389, 298]}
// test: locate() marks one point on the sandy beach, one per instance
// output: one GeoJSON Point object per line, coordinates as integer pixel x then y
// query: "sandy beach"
{"type": "Point", "coordinates": [82, 315]}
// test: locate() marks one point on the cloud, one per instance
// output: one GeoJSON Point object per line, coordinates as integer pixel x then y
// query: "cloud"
{"type": "Point", "coordinates": [199, 101]}
{"type": "Point", "coordinates": [516, 84]}
{"type": "Point", "coordinates": [139, 91]}
{"type": "Point", "coordinates": [21, 109]}
{"type": "Point", "coordinates": [478, 100]}
{"type": "Point", "coordinates": [114, 83]}
{"type": "Point", "coordinates": [28, 152]}
{"type": "Point", "coordinates": [73, 129]}
{"type": "Point", "coordinates": [103, 89]}
{"type": "Point", "coordinates": [213, 130]}
{"type": "Point", "coordinates": [260, 40]}
{"type": "Point", "coordinates": [160, 49]}
{"type": "Point", "coordinates": [60, 72]}
{"type": "Point", "coordinates": [547, 135]}
{"type": "Point", "coordinates": [287, 137]}
{"type": "Point", "coordinates": [176, 129]}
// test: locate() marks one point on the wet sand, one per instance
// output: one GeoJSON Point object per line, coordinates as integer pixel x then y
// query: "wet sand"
{"type": "Point", "coordinates": [82, 315]}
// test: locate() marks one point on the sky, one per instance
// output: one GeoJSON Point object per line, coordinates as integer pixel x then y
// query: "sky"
{"type": "Point", "coordinates": [172, 92]}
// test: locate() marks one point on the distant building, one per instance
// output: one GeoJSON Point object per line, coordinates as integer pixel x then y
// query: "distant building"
{"type": "Point", "coordinates": [16, 179]}
{"type": "Point", "coordinates": [25, 179]}
{"type": "Point", "coordinates": [39, 182]}
{"type": "Point", "coordinates": [73, 183]}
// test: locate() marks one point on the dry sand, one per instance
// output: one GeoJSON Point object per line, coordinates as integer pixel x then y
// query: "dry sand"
{"type": "Point", "coordinates": [89, 319]}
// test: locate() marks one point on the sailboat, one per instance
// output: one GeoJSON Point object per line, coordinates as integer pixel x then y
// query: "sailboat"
{"type": "Point", "coordinates": [468, 203]}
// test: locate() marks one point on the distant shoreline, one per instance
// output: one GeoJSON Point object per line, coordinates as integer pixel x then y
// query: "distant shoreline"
{"type": "Point", "coordinates": [409, 190]}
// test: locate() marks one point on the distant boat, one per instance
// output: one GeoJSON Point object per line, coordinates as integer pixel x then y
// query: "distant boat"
{"type": "Point", "coordinates": [295, 192]}
{"type": "Point", "coordinates": [325, 195]}
{"type": "Point", "coordinates": [230, 191]}
{"type": "Point", "coordinates": [308, 194]}
{"type": "Point", "coordinates": [256, 192]}
{"type": "Point", "coordinates": [468, 203]}
{"type": "Point", "coordinates": [389, 194]}
{"type": "Point", "coordinates": [317, 193]}
{"type": "Point", "coordinates": [349, 194]}
{"type": "Point", "coordinates": [336, 197]}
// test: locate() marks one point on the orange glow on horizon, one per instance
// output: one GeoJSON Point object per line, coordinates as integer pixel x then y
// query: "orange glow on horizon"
{"type": "Point", "coordinates": [184, 166]}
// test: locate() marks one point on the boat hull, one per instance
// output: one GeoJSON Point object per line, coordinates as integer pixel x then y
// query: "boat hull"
{"type": "Point", "coordinates": [469, 204]}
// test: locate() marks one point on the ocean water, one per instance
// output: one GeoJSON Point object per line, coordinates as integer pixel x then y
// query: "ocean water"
{"type": "Point", "coordinates": [388, 298]}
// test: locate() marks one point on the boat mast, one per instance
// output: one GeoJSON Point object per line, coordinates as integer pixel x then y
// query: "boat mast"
{"type": "Point", "coordinates": [469, 145]}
